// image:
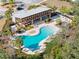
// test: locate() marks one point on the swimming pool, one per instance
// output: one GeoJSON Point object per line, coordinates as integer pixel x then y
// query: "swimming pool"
{"type": "Point", "coordinates": [32, 42]}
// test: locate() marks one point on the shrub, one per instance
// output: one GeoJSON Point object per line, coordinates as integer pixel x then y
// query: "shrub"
{"type": "Point", "coordinates": [65, 10]}
{"type": "Point", "coordinates": [33, 6]}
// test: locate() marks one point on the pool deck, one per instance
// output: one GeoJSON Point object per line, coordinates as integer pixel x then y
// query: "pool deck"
{"type": "Point", "coordinates": [41, 44]}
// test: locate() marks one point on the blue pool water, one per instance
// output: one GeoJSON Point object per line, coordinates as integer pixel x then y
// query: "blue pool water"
{"type": "Point", "coordinates": [32, 42]}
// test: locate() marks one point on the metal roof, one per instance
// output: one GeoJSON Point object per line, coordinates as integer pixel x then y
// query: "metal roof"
{"type": "Point", "coordinates": [26, 13]}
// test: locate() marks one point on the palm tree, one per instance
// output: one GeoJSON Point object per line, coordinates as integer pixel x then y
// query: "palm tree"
{"type": "Point", "coordinates": [8, 14]}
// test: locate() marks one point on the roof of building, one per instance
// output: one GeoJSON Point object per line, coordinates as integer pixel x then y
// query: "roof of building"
{"type": "Point", "coordinates": [23, 13]}
{"type": "Point", "coordinates": [29, 1]}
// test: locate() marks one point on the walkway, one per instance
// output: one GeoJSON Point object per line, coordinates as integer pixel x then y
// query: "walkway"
{"type": "Point", "coordinates": [2, 23]}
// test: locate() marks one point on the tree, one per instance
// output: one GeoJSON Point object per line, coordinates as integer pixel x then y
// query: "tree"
{"type": "Point", "coordinates": [75, 21]}
{"type": "Point", "coordinates": [54, 8]}
{"type": "Point", "coordinates": [66, 0]}
{"type": "Point", "coordinates": [33, 6]}
{"type": "Point", "coordinates": [18, 42]}
{"type": "Point", "coordinates": [75, 10]}
{"type": "Point", "coordinates": [3, 54]}
{"type": "Point", "coordinates": [11, 1]}
{"type": "Point", "coordinates": [75, 2]}
{"type": "Point", "coordinates": [3, 1]}
{"type": "Point", "coordinates": [8, 14]}
{"type": "Point", "coordinates": [58, 21]}
{"type": "Point", "coordinates": [7, 29]}
{"type": "Point", "coordinates": [65, 10]}
{"type": "Point", "coordinates": [59, 48]}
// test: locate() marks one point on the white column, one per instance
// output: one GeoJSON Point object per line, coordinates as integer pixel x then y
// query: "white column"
{"type": "Point", "coordinates": [32, 21]}
{"type": "Point", "coordinates": [40, 18]}
{"type": "Point", "coordinates": [49, 16]}
{"type": "Point", "coordinates": [13, 19]}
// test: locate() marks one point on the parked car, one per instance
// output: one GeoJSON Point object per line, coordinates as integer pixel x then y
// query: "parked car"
{"type": "Point", "coordinates": [20, 8]}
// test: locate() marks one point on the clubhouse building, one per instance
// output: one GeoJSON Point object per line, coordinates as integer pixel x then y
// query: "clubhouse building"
{"type": "Point", "coordinates": [32, 16]}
